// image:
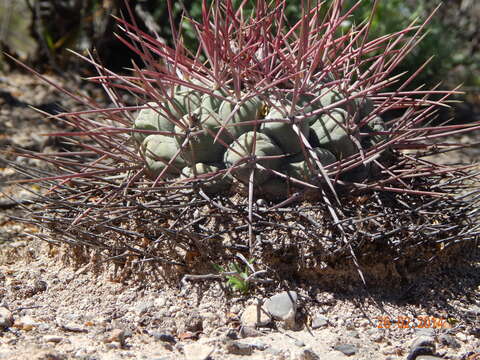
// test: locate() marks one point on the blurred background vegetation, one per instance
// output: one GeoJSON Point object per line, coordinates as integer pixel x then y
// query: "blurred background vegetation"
{"type": "Point", "coordinates": [39, 32]}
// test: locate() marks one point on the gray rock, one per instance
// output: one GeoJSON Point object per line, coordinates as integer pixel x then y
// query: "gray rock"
{"type": "Point", "coordinates": [308, 354]}
{"type": "Point", "coordinates": [73, 327]}
{"type": "Point", "coordinates": [194, 323]}
{"type": "Point", "coordinates": [319, 321]}
{"type": "Point", "coordinates": [143, 307]}
{"type": "Point", "coordinates": [282, 306]}
{"type": "Point", "coordinates": [247, 331]}
{"type": "Point", "coordinates": [6, 318]}
{"type": "Point", "coordinates": [448, 340]}
{"type": "Point", "coordinates": [231, 334]}
{"type": "Point", "coordinates": [425, 332]}
{"type": "Point", "coordinates": [163, 337]}
{"type": "Point", "coordinates": [250, 318]}
{"type": "Point", "coordinates": [197, 351]}
{"type": "Point", "coordinates": [347, 349]}
{"type": "Point", "coordinates": [428, 357]}
{"type": "Point", "coordinates": [473, 310]}
{"type": "Point", "coordinates": [299, 343]}
{"type": "Point", "coordinates": [239, 348]}
{"type": "Point", "coordinates": [116, 335]}
{"type": "Point", "coordinates": [376, 336]}
{"type": "Point", "coordinates": [353, 333]}
{"type": "Point", "coordinates": [423, 341]}
{"type": "Point", "coordinates": [53, 338]}
{"type": "Point", "coordinates": [421, 350]}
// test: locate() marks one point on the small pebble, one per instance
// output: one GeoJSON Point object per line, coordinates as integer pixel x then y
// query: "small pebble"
{"type": "Point", "coordinates": [116, 335]}
{"type": "Point", "coordinates": [353, 333]}
{"type": "Point", "coordinates": [299, 343]}
{"type": "Point", "coordinates": [53, 338]}
{"type": "Point", "coordinates": [282, 306]}
{"type": "Point", "coordinates": [308, 354]}
{"type": "Point", "coordinates": [250, 317]}
{"type": "Point", "coordinates": [239, 348]}
{"type": "Point", "coordinates": [163, 337]}
{"type": "Point", "coordinates": [423, 341]}
{"type": "Point", "coordinates": [6, 318]}
{"type": "Point", "coordinates": [448, 340]}
{"type": "Point", "coordinates": [347, 349]}
{"type": "Point", "coordinates": [319, 321]}
{"type": "Point", "coordinates": [73, 327]}
{"type": "Point", "coordinates": [197, 351]}
{"type": "Point", "coordinates": [247, 331]}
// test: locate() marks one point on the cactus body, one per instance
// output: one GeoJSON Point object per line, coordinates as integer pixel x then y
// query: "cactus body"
{"type": "Point", "coordinates": [249, 144]}
{"type": "Point", "coordinates": [151, 119]}
{"type": "Point", "coordinates": [282, 132]}
{"type": "Point", "coordinates": [301, 169]}
{"type": "Point", "coordinates": [376, 125]}
{"type": "Point", "coordinates": [332, 135]}
{"type": "Point", "coordinates": [201, 148]}
{"type": "Point", "coordinates": [158, 150]}
{"type": "Point", "coordinates": [248, 111]}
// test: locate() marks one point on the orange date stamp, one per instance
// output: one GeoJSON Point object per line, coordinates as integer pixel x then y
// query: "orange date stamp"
{"type": "Point", "coordinates": [408, 322]}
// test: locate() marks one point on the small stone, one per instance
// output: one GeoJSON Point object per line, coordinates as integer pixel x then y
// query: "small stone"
{"type": "Point", "coordinates": [163, 337]}
{"type": "Point", "coordinates": [448, 340]}
{"type": "Point", "coordinates": [73, 327]}
{"type": "Point", "coordinates": [353, 333]}
{"type": "Point", "coordinates": [197, 351]}
{"type": "Point", "coordinates": [423, 341]}
{"type": "Point", "coordinates": [462, 337]}
{"type": "Point", "coordinates": [249, 317]}
{"type": "Point", "coordinates": [6, 318]}
{"type": "Point", "coordinates": [26, 323]}
{"type": "Point", "coordinates": [247, 331]}
{"type": "Point", "coordinates": [231, 334]}
{"type": "Point", "coordinates": [142, 308]}
{"type": "Point", "coordinates": [429, 332]}
{"type": "Point", "coordinates": [239, 348]}
{"type": "Point", "coordinates": [421, 350]}
{"type": "Point", "coordinates": [319, 321]}
{"type": "Point", "coordinates": [473, 310]}
{"type": "Point", "coordinates": [308, 354]}
{"type": "Point", "coordinates": [116, 335]}
{"type": "Point", "coordinates": [49, 355]}
{"type": "Point", "coordinates": [376, 336]}
{"type": "Point", "coordinates": [347, 349]}
{"type": "Point", "coordinates": [282, 306]}
{"type": "Point", "coordinates": [194, 324]}
{"type": "Point", "coordinates": [39, 286]}
{"type": "Point", "coordinates": [160, 302]}
{"type": "Point", "coordinates": [428, 357]}
{"type": "Point", "coordinates": [53, 338]}
{"type": "Point", "coordinates": [299, 343]}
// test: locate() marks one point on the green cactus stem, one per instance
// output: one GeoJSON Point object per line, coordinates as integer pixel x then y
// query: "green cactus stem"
{"type": "Point", "coordinates": [253, 144]}
{"type": "Point", "coordinates": [158, 151]}
{"type": "Point", "coordinates": [202, 147]}
{"type": "Point", "coordinates": [301, 169]}
{"type": "Point", "coordinates": [248, 111]}
{"type": "Point", "coordinates": [332, 135]}
{"type": "Point", "coordinates": [151, 119]}
{"type": "Point", "coordinates": [282, 132]}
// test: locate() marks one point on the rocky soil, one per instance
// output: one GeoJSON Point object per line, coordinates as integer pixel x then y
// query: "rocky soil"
{"type": "Point", "coordinates": [53, 309]}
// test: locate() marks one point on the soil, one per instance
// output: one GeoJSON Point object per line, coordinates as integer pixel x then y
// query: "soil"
{"type": "Point", "coordinates": [63, 310]}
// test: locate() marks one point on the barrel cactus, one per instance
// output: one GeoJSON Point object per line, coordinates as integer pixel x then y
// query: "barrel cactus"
{"type": "Point", "coordinates": [267, 133]}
